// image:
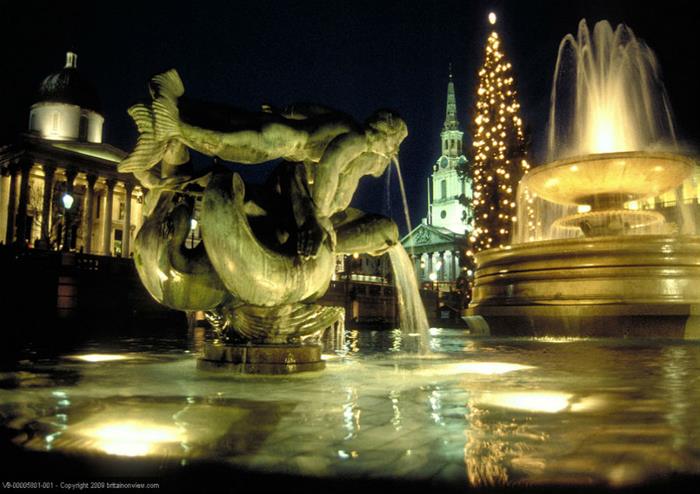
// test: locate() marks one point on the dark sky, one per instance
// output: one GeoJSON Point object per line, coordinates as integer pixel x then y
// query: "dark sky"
{"type": "Point", "coordinates": [356, 56]}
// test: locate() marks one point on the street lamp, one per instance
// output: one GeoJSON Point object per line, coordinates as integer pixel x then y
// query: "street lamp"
{"type": "Point", "coordinates": [433, 277]}
{"type": "Point", "coordinates": [67, 200]}
{"type": "Point", "coordinates": [193, 228]}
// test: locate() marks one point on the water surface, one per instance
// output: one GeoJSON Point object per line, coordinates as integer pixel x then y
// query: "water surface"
{"type": "Point", "coordinates": [471, 412]}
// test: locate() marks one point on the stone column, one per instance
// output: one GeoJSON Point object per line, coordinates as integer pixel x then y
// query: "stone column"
{"type": "Point", "coordinates": [67, 213]}
{"type": "Point", "coordinates": [441, 271]}
{"type": "Point", "coordinates": [89, 214]}
{"type": "Point", "coordinates": [11, 206]}
{"type": "Point", "coordinates": [416, 267]}
{"type": "Point", "coordinates": [4, 198]}
{"type": "Point", "coordinates": [25, 168]}
{"type": "Point", "coordinates": [455, 264]}
{"type": "Point", "coordinates": [107, 217]}
{"type": "Point", "coordinates": [430, 263]}
{"type": "Point", "coordinates": [126, 237]}
{"type": "Point", "coordinates": [46, 200]}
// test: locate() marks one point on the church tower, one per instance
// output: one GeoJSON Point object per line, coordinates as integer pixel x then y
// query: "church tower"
{"type": "Point", "coordinates": [445, 209]}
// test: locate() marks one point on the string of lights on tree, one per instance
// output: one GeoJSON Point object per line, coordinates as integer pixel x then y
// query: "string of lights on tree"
{"type": "Point", "coordinates": [498, 154]}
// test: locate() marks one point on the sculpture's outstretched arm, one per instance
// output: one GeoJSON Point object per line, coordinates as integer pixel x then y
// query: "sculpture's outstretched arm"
{"type": "Point", "coordinates": [364, 233]}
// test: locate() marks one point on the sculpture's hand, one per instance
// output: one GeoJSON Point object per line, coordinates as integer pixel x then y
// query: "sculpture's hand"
{"type": "Point", "coordinates": [171, 183]}
{"type": "Point", "coordinates": [167, 226]}
{"type": "Point", "coordinates": [311, 236]}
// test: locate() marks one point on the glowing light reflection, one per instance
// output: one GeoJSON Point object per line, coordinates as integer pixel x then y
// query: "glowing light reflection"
{"type": "Point", "coordinates": [483, 368]}
{"type": "Point", "coordinates": [530, 401]}
{"type": "Point", "coordinates": [559, 339]}
{"type": "Point", "coordinates": [98, 357]}
{"type": "Point", "coordinates": [133, 438]}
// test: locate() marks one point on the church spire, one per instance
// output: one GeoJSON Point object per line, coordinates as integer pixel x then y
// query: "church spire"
{"type": "Point", "coordinates": [451, 122]}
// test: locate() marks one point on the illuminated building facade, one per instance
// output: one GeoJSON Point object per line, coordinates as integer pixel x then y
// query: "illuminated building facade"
{"type": "Point", "coordinates": [435, 244]}
{"type": "Point", "coordinates": [60, 189]}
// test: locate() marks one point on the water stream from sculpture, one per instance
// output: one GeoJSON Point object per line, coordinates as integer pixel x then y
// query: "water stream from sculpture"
{"type": "Point", "coordinates": [414, 322]}
{"type": "Point", "coordinates": [395, 159]}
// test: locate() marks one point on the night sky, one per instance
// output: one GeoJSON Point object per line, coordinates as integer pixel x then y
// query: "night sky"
{"type": "Point", "coordinates": [356, 56]}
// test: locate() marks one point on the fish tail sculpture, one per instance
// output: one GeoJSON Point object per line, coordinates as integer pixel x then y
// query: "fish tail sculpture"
{"type": "Point", "coordinates": [166, 88]}
{"type": "Point", "coordinates": [148, 150]}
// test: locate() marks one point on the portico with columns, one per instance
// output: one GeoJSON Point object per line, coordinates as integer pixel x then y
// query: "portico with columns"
{"type": "Point", "coordinates": [34, 211]}
{"type": "Point", "coordinates": [435, 252]}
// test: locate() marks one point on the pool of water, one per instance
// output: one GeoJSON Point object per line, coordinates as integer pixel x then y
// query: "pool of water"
{"type": "Point", "coordinates": [471, 412]}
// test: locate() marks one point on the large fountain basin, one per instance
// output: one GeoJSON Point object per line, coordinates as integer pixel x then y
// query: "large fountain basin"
{"type": "Point", "coordinates": [604, 286]}
{"type": "Point", "coordinates": [608, 179]}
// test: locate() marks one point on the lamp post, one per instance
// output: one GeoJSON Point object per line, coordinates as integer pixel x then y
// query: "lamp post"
{"type": "Point", "coordinates": [433, 278]}
{"type": "Point", "coordinates": [193, 228]}
{"type": "Point", "coordinates": [67, 200]}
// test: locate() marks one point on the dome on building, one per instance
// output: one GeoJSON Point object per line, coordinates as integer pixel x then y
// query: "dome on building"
{"type": "Point", "coordinates": [67, 107]}
{"type": "Point", "coordinates": [69, 86]}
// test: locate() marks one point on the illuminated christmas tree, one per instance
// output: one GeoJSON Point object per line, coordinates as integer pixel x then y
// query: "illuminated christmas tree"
{"type": "Point", "coordinates": [498, 154]}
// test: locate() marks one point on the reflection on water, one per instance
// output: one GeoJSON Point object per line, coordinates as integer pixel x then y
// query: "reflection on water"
{"type": "Point", "coordinates": [132, 438]}
{"type": "Point", "coordinates": [529, 401]}
{"type": "Point", "coordinates": [475, 411]}
{"type": "Point", "coordinates": [97, 357]}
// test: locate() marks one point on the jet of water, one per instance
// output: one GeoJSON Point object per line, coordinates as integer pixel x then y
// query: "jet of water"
{"type": "Point", "coordinates": [607, 95]}
{"type": "Point", "coordinates": [395, 159]}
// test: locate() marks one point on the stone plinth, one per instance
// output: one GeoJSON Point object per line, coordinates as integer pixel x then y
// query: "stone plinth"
{"type": "Point", "coordinates": [261, 359]}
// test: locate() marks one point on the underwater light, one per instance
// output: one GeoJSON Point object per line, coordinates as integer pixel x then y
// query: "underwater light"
{"type": "Point", "coordinates": [133, 438]}
{"type": "Point", "coordinates": [530, 401]}
{"type": "Point", "coordinates": [98, 357]}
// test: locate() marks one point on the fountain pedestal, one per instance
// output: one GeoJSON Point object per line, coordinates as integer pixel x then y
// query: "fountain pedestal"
{"type": "Point", "coordinates": [261, 359]}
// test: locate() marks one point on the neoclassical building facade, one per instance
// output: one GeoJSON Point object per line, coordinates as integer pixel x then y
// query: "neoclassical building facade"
{"type": "Point", "coordinates": [60, 188]}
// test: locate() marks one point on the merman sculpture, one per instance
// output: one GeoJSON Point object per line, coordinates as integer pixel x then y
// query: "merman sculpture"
{"type": "Point", "coordinates": [267, 252]}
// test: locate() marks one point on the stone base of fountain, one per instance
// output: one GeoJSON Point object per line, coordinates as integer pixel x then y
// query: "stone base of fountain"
{"type": "Point", "coordinates": [588, 321]}
{"type": "Point", "coordinates": [261, 359]}
{"type": "Point", "coordinates": [646, 286]}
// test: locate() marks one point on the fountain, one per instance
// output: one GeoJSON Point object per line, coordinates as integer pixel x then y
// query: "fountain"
{"type": "Point", "coordinates": [268, 251]}
{"type": "Point", "coordinates": [606, 240]}
{"type": "Point", "coordinates": [529, 414]}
